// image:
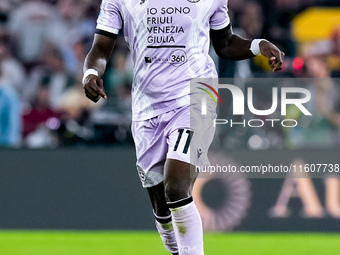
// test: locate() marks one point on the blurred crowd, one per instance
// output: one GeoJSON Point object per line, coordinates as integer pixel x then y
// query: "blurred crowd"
{"type": "Point", "coordinates": [43, 44]}
{"type": "Point", "coordinates": [42, 49]}
{"type": "Point", "coordinates": [318, 62]}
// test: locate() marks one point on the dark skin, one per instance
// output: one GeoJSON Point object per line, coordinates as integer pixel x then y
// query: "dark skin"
{"type": "Point", "coordinates": [177, 183]}
{"type": "Point", "coordinates": [233, 47]}
{"type": "Point", "coordinates": [97, 58]}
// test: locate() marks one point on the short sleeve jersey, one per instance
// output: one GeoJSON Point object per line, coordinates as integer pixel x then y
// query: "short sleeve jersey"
{"type": "Point", "coordinates": [169, 43]}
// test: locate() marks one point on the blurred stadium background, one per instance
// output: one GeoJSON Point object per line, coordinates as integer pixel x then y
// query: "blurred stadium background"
{"type": "Point", "coordinates": [68, 183]}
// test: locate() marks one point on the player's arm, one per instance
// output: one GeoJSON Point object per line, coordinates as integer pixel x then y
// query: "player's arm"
{"type": "Point", "coordinates": [231, 46]}
{"type": "Point", "coordinates": [95, 64]}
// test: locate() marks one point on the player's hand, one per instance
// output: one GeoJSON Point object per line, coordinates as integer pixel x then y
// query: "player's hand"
{"type": "Point", "coordinates": [93, 86]}
{"type": "Point", "coordinates": [274, 55]}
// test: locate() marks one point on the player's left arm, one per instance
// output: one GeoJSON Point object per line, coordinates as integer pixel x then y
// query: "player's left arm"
{"type": "Point", "coordinates": [231, 46]}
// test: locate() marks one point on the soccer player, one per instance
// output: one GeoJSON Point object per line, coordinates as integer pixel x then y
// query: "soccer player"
{"type": "Point", "coordinates": [169, 43]}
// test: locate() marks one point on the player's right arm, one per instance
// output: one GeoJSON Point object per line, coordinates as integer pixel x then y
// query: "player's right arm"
{"type": "Point", "coordinates": [95, 64]}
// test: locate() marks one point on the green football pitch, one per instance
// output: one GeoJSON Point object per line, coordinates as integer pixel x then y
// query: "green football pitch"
{"type": "Point", "coordinates": [148, 243]}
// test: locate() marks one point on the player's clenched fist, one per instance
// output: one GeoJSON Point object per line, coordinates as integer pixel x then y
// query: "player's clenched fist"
{"type": "Point", "coordinates": [274, 55]}
{"type": "Point", "coordinates": [93, 86]}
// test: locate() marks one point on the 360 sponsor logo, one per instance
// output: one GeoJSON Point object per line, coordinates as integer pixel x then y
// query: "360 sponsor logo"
{"type": "Point", "coordinates": [176, 58]}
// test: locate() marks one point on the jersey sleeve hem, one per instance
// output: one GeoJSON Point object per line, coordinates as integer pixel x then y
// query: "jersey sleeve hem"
{"type": "Point", "coordinates": [107, 34]}
{"type": "Point", "coordinates": [107, 29]}
{"type": "Point", "coordinates": [223, 25]}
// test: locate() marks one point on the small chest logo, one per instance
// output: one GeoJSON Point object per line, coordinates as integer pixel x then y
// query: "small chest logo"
{"type": "Point", "coordinates": [194, 1]}
{"type": "Point", "coordinates": [143, 1]}
{"type": "Point", "coordinates": [148, 60]}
